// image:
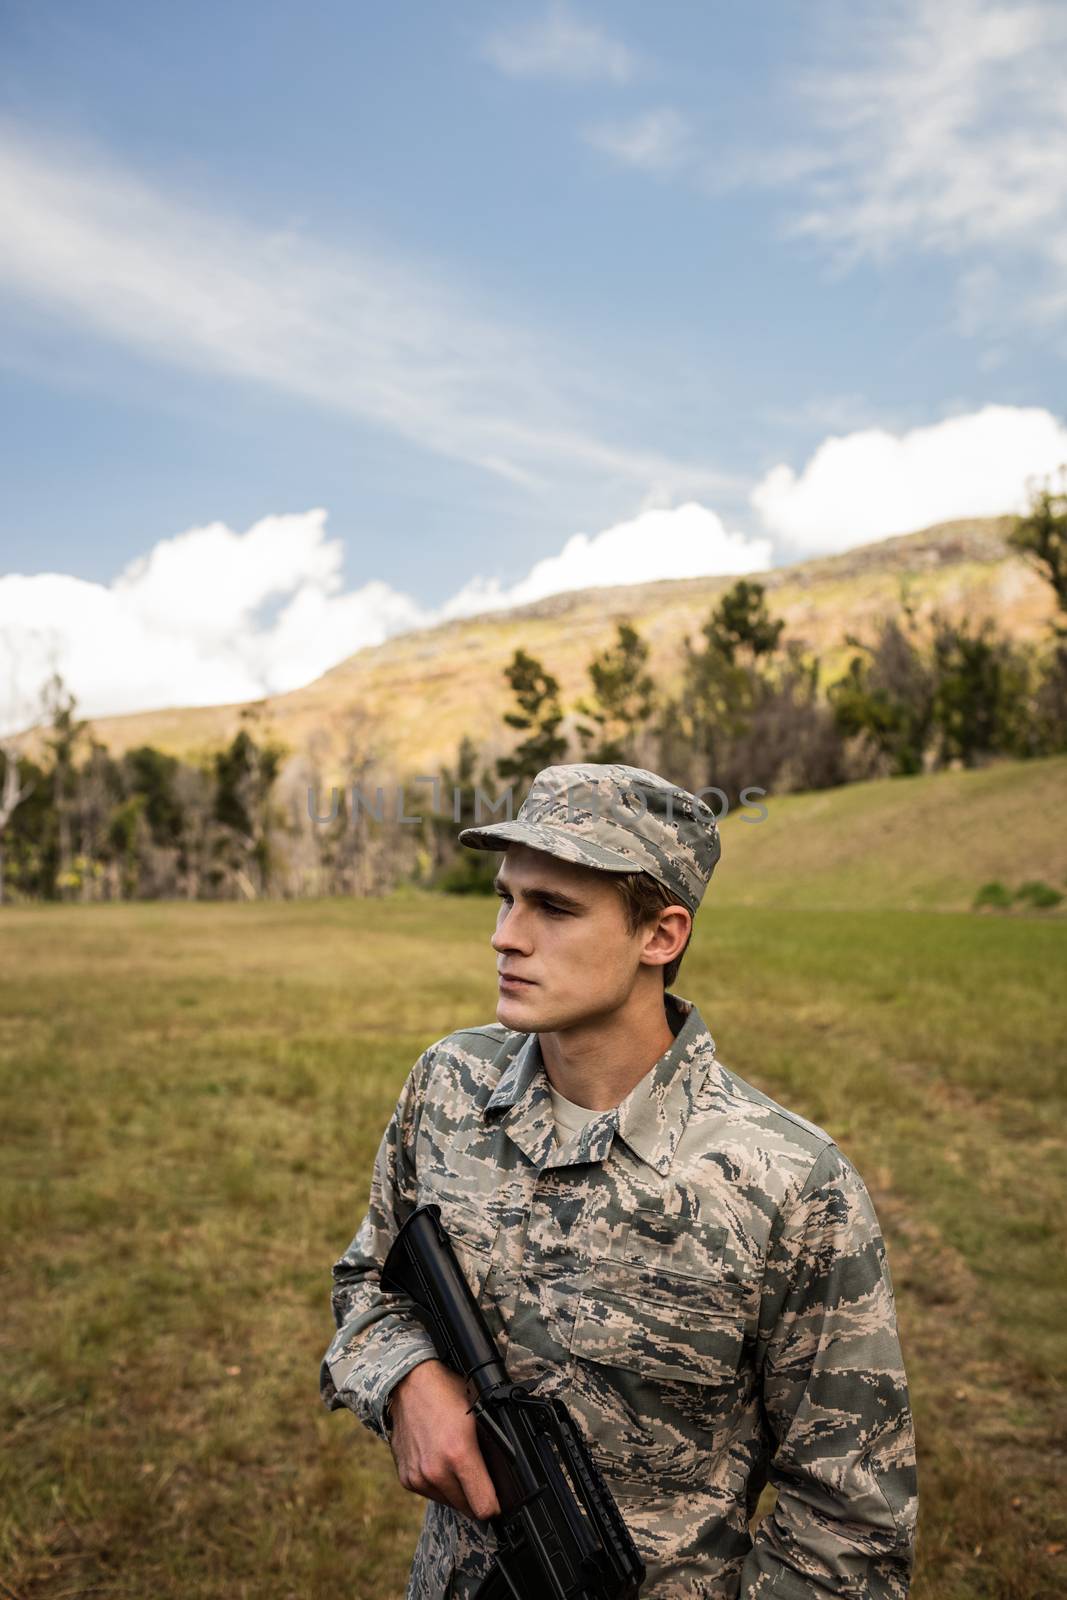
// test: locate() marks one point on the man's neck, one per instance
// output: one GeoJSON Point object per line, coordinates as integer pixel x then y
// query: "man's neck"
{"type": "Point", "coordinates": [597, 1064]}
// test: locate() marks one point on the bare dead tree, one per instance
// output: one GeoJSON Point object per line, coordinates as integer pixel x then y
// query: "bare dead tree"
{"type": "Point", "coordinates": [15, 787]}
{"type": "Point", "coordinates": [66, 732]}
{"type": "Point", "coordinates": [353, 842]}
{"type": "Point", "coordinates": [12, 794]}
{"type": "Point", "coordinates": [194, 793]}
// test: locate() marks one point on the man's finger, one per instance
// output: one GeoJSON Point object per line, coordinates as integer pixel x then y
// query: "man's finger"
{"type": "Point", "coordinates": [450, 1495]}
{"type": "Point", "coordinates": [454, 1495]}
{"type": "Point", "coordinates": [477, 1486]}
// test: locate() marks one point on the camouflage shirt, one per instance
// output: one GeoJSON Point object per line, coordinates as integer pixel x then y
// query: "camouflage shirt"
{"type": "Point", "coordinates": [699, 1274]}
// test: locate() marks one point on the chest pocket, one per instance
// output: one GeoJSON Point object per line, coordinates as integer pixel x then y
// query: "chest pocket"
{"type": "Point", "coordinates": [472, 1232]}
{"type": "Point", "coordinates": [648, 1331]}
{"type": "Point", "coordinates": [656, 1350]}
{"type": "Point", "coordinates": [659, 1303]}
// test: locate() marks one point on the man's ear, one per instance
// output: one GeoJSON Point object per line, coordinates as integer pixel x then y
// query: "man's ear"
{"type": "Point", "coordinates": [667, 938]}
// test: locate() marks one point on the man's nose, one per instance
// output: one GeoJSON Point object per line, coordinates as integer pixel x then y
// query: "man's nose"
{"type": "Point", "coordinates": [508, 933]}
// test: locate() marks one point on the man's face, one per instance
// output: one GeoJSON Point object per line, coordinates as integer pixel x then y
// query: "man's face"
{"type": "Point", "coordinates": [562, 927]}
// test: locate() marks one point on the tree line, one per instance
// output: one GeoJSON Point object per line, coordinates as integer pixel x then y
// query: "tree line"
{"type": "Point", "coordinates": [748, 711]}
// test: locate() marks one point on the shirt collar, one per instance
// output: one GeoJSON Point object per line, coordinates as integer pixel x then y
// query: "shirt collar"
{"type": "Point", "coordinates": [650, 1119]}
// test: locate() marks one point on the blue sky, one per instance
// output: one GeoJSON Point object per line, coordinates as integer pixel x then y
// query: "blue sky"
{"type": "Point", "coordinates": [457, 304]}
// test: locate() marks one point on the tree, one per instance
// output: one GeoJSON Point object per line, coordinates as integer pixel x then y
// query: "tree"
{"type": "Point", "coordinates": [886, 697]}
{"type": "Point", "coordinates": [67, 733]}
{"type": "Point", "coordinates": [792, 741]}
{"type": "Point", "coordinates": [980, 693]}
{"type": "Point", "coordinates": [194, 791]}
{"type": "Point", "coordinates": [152, 775]}
{"type": "Point", "coordinates": [98, 789]}
{"type": "Point", "coordinates": [1041, 535]}
{"type": "Point", "coordinates": [741, 624]}
{"type": "Point", "coordinates": [244, 776]}
{"type": "Point", "coordinates": [622, 702]}
{"type": "Point", "coordinates": [17, 786]}
{"type": "Point", "coordinates": [1050, 703]}
{"type": "Point", "coordinates": [724, 683]}
{"type": "Point", "coordinates": [453, 868]}
{"type": "Point", "coordinates": [150, 835]}
{"type": "Point", "coordinates": [29, 840]}
{"type": "Point", "coordinates": [539, 717]}
{"type": "Point", "coordinates": [961, 695]}
{"type": "Point", "coordinates": [20, 777]}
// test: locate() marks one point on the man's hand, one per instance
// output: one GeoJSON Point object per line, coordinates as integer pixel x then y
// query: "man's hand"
{"type": "Point", "coordinates": [435, 1442]}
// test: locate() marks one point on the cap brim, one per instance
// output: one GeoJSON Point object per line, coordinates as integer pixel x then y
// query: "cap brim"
{"type": "Point", "coordinates": [561, 842]}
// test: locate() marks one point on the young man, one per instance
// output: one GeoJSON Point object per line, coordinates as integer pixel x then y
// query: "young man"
{"type": "Point", "coordinates": [695, 1270]}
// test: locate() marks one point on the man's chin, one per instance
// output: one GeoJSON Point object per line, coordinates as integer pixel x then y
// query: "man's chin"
{"type": "Point", "coordinates": [518, 1008]}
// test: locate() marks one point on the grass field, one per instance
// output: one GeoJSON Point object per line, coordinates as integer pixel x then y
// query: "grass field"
{"type": "Point", "coordinates": [191, 1100]}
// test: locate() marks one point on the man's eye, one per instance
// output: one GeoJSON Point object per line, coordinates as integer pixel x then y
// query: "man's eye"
{"type": "Point", "coordinates": [556, 911]}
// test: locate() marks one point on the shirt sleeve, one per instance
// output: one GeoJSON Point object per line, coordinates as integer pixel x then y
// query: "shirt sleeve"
{"type": "Point", "coordinates": [379, 1339]}
{"type": "Point", "coordinates": [835, 1399]}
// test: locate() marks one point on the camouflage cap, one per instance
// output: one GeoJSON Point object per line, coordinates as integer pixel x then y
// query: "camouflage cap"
{"type": "Point", "coordinates": [617, 819]}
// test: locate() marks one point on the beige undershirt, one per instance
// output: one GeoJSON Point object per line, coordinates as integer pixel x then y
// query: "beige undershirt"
{"type": "Point", "coordinates": [569, 1118]}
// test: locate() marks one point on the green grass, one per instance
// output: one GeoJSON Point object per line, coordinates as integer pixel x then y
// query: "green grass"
{"type": "Point", "coordinates": [192, 1096]}
{"type": "Point", "coordinates": [925, 843]}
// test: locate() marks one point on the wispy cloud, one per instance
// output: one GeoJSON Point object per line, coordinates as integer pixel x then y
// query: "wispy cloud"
{"type": "Point", "coordinates": [828, 413]}
{"type": "Point", "coordinates": [656, 141]}
{"type": "Point", "coordinates": [870, 484]}
{"type": "Point", "coordinates": [560, 45]}
{"type": "Point", "coordinates": [934, 126]}
{"type": "Point", "coordinates": [944, 131]}
{"type": "Point", "coordinates": [372, 338]}
{"type": "Point", "coordinates": [947, 129]}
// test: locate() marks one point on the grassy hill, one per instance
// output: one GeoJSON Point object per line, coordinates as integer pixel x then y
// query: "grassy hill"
{"type": "Point", "coordinates": [910, 843]}
{"type": "Point", "coordinates": [404, 705]}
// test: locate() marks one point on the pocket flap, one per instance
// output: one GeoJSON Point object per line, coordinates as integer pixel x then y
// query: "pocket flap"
{"type": "Point", "coordinates": [678, 1245]}
{"type": "Point", "coordinates": [659, 1338]}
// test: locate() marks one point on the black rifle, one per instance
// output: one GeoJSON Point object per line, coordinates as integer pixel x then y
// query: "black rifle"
{"type": "Point", "coordinates": [560, 1535]}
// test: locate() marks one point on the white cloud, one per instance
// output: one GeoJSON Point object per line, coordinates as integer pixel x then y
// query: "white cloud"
{"type": "Point", "coordinates": [559, 45]}
{"type": "Point", "coordinates": [361, 335]}
{"type": "Point", "coordinates": [873, 484]}
{"type": "Point", "coordinates": [217, 580]}
{"type": "Point", "coordinates": [686, 542]}
{"type": "Point", "coordinates": [655, 142]}
{"type": "Point", "coordinates": [186, 624]}
{"type": "Point", "coordinates": [182, 625]}
{"type": "Point", "coordinates": [212, 615]}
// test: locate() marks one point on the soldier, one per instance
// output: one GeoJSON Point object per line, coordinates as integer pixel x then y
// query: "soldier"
{"type": "Point", "coordinates": [696, 1271]}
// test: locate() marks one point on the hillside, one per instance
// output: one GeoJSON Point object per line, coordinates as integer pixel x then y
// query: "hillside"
{"type": "Point", "coordinates": [405, 704]}
{"type": "Point", "coordinates": [924, 843]}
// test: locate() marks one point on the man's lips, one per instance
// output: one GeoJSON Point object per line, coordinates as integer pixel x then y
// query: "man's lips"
{"type": "Point", "coordinates": [510, 977]}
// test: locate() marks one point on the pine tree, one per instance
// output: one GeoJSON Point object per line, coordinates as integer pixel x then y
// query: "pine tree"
{"type": "Point", "coordinates": [622, 702]}
{"type": "Point", "coordinates": [1041, 535]}
{"type": "Point", "coordinates": [539, 718]}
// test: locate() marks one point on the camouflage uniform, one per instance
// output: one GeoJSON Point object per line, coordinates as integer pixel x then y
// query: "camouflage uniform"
{"type": "Point", "coordinates": [699, 1274]}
